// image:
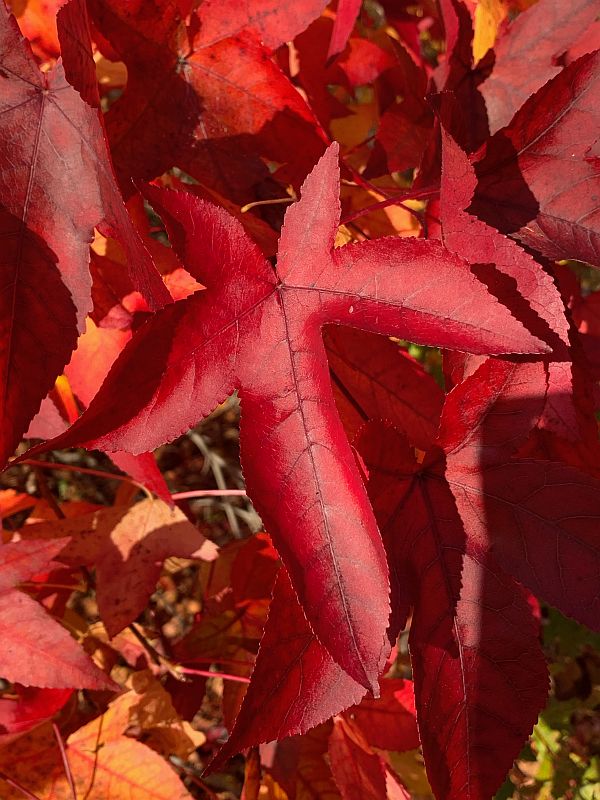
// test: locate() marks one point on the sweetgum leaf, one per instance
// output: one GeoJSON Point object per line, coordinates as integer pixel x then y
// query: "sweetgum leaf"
{"type": "Point", "coordinates": [541, 520]}
{"type": "Point", "coordinates": [36, 650]}
{"type": "Point", "coordinates": [276, 22]}
{"type": "Point", "coordinates": [481, 244]}
{"type": "Point", "coordinates": [206, 96]}
{"type": "Point", "coordinates": [295, 685]}
{"type": "Point", "coordinates": [374, 378]}
{"type": "Point", "coordinates": [514, 275]}
{"type": "Point", "coordinates": [479, 672]}
{"type": "Point", "coordinates": [540, 37]}
{"type": "Point", "coordinates": [538, 176]}
{"type": "Point", "coordinates": [258, 331]}
{"type": "Point", "coordinates": [46, 227]}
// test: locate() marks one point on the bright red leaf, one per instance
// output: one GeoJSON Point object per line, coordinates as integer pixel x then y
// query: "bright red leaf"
{"type": "Point", "coordinates": [389, 723]}
{"type": "Point", "coordinates": [31, 707]}
{"type": "Point", "coordinates": [300, 469]}
{"type": "Point", "coordinates": [347, 11]}
{"type": "Point", "coordinates": [46, 227]}
{"type": "Point", "coordinates": [295, 685]}
{"type": "Point", "coordinates": [373, 378]}
{"type": "Point", "coordinates": [200, 95]}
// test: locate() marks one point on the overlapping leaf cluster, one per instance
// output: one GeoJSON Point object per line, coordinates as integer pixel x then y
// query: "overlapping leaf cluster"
{"type": "Point", "coordinates": [334, 184]}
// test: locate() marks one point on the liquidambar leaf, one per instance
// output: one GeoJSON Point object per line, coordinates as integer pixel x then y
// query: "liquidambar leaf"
{"type": "Point", "coordinates": [259, 331]}
{"type": "Point", "coordinates": [36, 650]}
{"type": "Point", "coordinates": [127, 546]}
{"type": "Point", "coordinates": [50, 141]}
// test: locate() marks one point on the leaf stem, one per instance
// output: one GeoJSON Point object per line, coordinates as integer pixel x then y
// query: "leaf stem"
{"type": "Point", "coordinates": [208, 674]}
{"type": "Point", "coordinates": [419, 194]}
{"type": "Point", "coordinates": [65, 760]}
{"type": "Point", "coordinates": [209, 493]}
{"type": "Point", "coordinates": [274, 202]}
{"type": "Point", "coordinates": [42, 585]}
{"type": "Point", "coordinates": [47, 494]}
{"type": "Point", "coordinates": [16, 785]}
{"type": "Point", "coordinates": [98, 473]}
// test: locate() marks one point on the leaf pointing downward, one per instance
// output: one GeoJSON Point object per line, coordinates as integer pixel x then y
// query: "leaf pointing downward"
{"type": "Point", "coordinates": [258, 331]}
{"type": "Point", "coordinates": [28, 632]}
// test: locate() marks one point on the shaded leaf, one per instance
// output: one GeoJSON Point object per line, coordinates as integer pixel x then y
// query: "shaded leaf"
{"type": "Point", "coordinates": [46, 227]}
{"type": "Point", "coordinates": [551, 27]}
{"type": "Point", "coordinates": [127, 546]}
{"type": "Point", "coordinates": [37, 651]}
{"type": "Point", "coordinates": [538, 176]}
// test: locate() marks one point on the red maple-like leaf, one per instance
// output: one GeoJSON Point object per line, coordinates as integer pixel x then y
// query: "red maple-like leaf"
{"type": "Point", "coordinates": [373, 378]}
{"type": "Point", "coordinates": [276, 22]}
{"type": "Point", "coordinates": [46, 227]}
{"type": "Point", "coordinates": [538, 176]}
{"type": "Point", "coordinates": [295, 686]}
{"type": "Point", "coordinates": [206, 95]}
{"type": "Point", "coordinates": [258, 331]}
{"type": "Point", "coordinates": [36, 650]}
{"type": "Point", "coordinates": [479, 672]}
{"type": "Point", "coordinates": [554, 26]}
{"type": "Point", "coordinates": [506, 267]}
{"type": "Point", "coordinates": [538, 517]}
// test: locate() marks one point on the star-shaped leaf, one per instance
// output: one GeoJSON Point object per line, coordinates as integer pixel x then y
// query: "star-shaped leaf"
{"type": "Point", "coordinates": [259, 331]}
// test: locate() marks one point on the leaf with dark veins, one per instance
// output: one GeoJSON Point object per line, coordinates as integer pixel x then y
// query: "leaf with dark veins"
{"type": "Point", "coordinates": [479, 671]}
{"type": "Point", "coordinates": [538, 176]}
{"type": "Point", "coordinates": [50, 141]}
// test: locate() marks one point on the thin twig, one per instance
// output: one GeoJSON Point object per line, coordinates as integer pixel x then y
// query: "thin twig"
{"type": "Point", "coordinates": [371, 187]}
{"type": "Point", "coordinates": [209, 493]}
{"type": "Point", "coordinates": [156, 657]}
{"type": "Point", "coordinates": [65, 760]}
{"type": "Point", "coordinates": [193, 774]}
{"type": "Point", "coordinates": [208, 674]}
{"type": "Point", "coordinates": [419, 194]}
{"type": "Point", "coordinates": [98, 473]}
{"type": "Point", "coordinates": [42, 585]}
{"type": "Point", "coordinates": [47, 494]}
{"type": "Point", "coordinates": [16, 785]}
